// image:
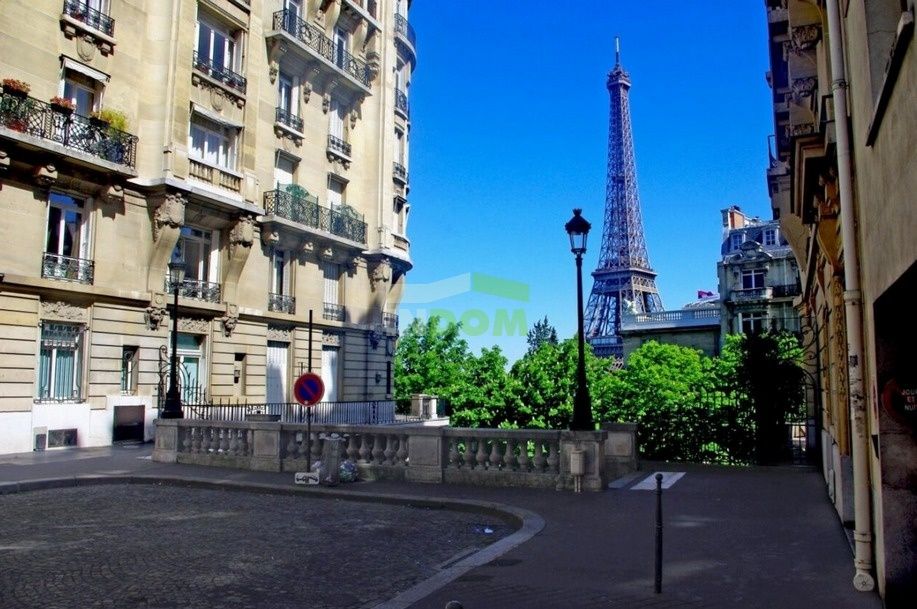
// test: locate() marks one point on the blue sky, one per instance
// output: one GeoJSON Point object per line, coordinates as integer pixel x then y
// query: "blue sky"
{"type": "Point", "coordinates": [509, 133]}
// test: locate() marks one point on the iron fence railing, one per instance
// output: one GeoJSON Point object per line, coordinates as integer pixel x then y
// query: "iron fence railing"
{"type": "Point", "coordinates": [37, 118]}
{"type": "Point", "coordinates": [196, 288]}
{"type": "Point", "coordinates": [315, 39]}
{"type": "Point", "coordinates": [281, 303]}
{"type": "Point", "coordinates": [81, 11]}
{"type": "Point", "coordinates": [404, 28]}
{"type": "Point", "coordinates": [369, 412]}
{"type": "Point", "coordinates": [390, 320]}
{"type": "Point", "coordinates": [399, 172]}
{"type": "Point", "coordinates": [305, 209]}
{"type": "Point", "coordinates": [336, 144]}
{"type": "Point", "coordinates": [334, 312]}
{"type": "Point", "coordinates": [66, 268]}
{"type": "Point", "coordinates": [286, 117]}
{"type": "Point", "coordinates": [401, 102]}
{"type": "Point", "coordinates": [219, 72]}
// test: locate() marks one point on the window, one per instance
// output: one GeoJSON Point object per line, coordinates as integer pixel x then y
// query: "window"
{"type": "Point", "coordinates": [770, 237]}
{"type": "Point", "coordinates": [191, 368]}
{"type": "Point", "coordinates": [277, 372]}
{"type": "Point", "coordinates": [752, 280]}
{"type": "Point", "coordinates": [753, 322]}
{"type": "Point", "coordinates": [285, 98]}
{"type": "Point", "coordinates": [330, 372]}
{"type": "Point", "coordinates": [294, 11]}
{"type": "Point", "coordinates": [735, 240]}
{"type": "Point", "coordinates": [283, 171]}
{"type": "Point", "coordinates": [129, 368]}
{"type": "Point", "coordinates": [216, 45]}
{"type": "Point", "coordinates": [68, 227]}
{"type": "Point", "coordinates": [280, 275]}
{"type": "Point", "coordinates": [332, 275]}
{"type": "Point", "coordinates": [239, 375]}
{"type": "Point", "coordinates": [196, 248]}
{"type": "Point", "coordinates": [60, 361]}
{"type": "Point", "coordinates": [399, 147]}
{"type": "Point", "coordinates": [212, 143]}
{"type": "Point", "coordinates": [399, 212]}
{"type": "Point", "coordinates": [82, 91]}
{"type": "Point", "coordinates": [335, 192]}
{"type": "Point", "coordinates": [341, 44]}
{"type": "Point", "coordinates": [336, 126]}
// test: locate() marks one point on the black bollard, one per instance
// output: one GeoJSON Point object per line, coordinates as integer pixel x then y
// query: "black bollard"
{"type": "Point", "coordinates": [658, 533]}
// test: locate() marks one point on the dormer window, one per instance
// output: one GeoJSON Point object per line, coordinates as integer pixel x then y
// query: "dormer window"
{"type": "Point", "coordinates": [735, 241]}
{"type": "Point", "coordinates": [770, 237]}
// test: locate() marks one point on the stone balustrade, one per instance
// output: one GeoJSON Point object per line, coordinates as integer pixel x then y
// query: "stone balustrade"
{"type": "Point", "coordinates": [492, 457]}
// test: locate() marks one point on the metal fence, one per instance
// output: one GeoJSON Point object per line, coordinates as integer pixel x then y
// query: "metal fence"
{"type": "Point", "coordinates": [372, 412]}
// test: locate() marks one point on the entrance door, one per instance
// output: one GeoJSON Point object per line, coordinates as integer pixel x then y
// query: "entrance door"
{"type": "Point", "coordinates": [330, 373]}
{"type": "Point", "coordinates": [276, 372]}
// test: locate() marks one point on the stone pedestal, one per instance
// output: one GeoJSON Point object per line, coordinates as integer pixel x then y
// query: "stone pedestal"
{"type": "Point", "coordinates": [592, 443]}
{"type": "Point", "coordinates": [167, 437]}
{"type": "Point", "coordinates": [426, 458]}
{"type": "Point", "coordinates": [620, 449]}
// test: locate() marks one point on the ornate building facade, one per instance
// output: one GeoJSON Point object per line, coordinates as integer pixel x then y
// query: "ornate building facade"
{"type": "Point", "coordinates": [262, 142]}
{"type": "Point", "coordinates": [842, 182]}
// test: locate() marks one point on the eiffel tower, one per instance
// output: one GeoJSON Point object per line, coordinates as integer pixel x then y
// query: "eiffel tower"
{"type": "Point", "coordinates": [624, 282]}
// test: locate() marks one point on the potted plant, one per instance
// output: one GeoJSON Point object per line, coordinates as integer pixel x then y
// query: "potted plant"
{"type": "Point", "coordinates": [98, 120]}
{"type": "Point", "coordinates": [16, 88]}
{"type": "Point", "coordinates": [62, 105]}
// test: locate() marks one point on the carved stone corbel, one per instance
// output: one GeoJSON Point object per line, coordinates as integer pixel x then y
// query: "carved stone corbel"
{"type": "Point", "coordinates": [354, 115]}
{"type": "Point", "coordinates": [169, 211]}
{"type": "Point", "coordinates": [327, 254]}
{"type": "Point", "coordinates": [277, 50]}
{"type": "Point", "coordinates": [230, 319]}
{"type": "Point", "coordinates": [326, 103]}
{"type": "Point", "coordinates": [306, 92]}
{"type": "Point", "coordinates": [113, 194]}
{"type": "Point", "coordinates": [805, 37]}
{"type": "Point", "coordinates": [307, 248]}
{"type": "Point", "coordinates": [803, 88]}
{"type": "Point", "coordinates": [380, 273]}
{"type": "Point", "coordinates": [270, 237]}
{"type": "Point", "coordinates": [45, 175]}
{"type": "Point", "coordinates": [242, 233]}
{"type": "Point", "coordinates": [156, 312]}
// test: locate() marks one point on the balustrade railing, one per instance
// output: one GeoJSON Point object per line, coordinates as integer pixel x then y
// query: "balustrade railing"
{"type": "Point", "coordinates": [489, 450]}
{"type": "Point", "coordinates": [75, 131]}
{"type": "Point", "coordinates": [219, 72]}
{"type": "Point", "coordinates": [305, 209]}
{"type": "Point", "coordinates": [404, 29]}
{"type": "Point", "coordinates": [221, 439]}
{"type": "Point", "coordinates": [196, 288]}
{"type": "Point", "coordinates": [400, 172]}
{"type": "Point", "coordinates": [338, 146]}
{"type": "Point", "coordinates": [214, 175]}
{"type": "Point", "coordinates": [333, 312]}
{"type": "Point", "coordinates": [66, 268]}
{"type": "Point", "coordinates": [318, 42]}
{"type": "Point", "coordinates": [782, 291]}
{"type": "Point", "coordinates": [81, 11]}
{"type": "Point", "coordinates": [682, 317]}
{"type": "Point", "coordinates": [287, 118]}
{"type": "Point", "coordinates": [281, 303]}
{"type": "Point", "coordinates": [751, 294]}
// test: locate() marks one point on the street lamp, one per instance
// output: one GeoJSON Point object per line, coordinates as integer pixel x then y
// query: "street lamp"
{"type": "Point", "coordinates": [578, 229]}
{"type": "Point", "coordinates": [172, 408]}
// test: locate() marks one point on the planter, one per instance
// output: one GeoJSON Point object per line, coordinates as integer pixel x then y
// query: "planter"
{"type": "Point", "coordinates": [65, 110]}
{"type": "Point", "coordinates": [18, 125]}
{"type": "Point", "coordinates": [15, 93]}
{"type": "Point", "coordinates": [99, 123]}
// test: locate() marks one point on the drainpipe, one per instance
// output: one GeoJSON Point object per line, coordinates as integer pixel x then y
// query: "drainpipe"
{"type": "Point", "coordinates": [853, 301]}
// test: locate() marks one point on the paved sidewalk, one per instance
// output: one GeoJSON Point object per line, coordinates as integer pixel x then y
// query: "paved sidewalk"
{"type": "Point", "coordinates": [734, 537]}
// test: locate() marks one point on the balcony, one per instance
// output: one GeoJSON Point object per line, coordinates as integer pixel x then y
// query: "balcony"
{"type": "Point", "coordinates": [333, 312]}
{"type": "Point", "coordinates": [338, 148]}
{"type": "Point", "coordinates": [196, 289]}
{"type": "Point", "coordinates": [219, 73]}
{"type": "Point", "coordinates": [65, 268]}
{"type": "Point", "coordinates": [404, 34]}
{"type": "Point", "coordinates": [215, 176]}
{"type": "Point", "coordinates": [752, 294]}
{"type": "Point", "coordinates": [786, 291]}
{"type": "Point", "coordinates": [390, 320]}
{"type": "Point", "coordinates": [35, 118]}
{"type": "Point", "coordinates": [97, 20]}
{"type": "Point", "coordinates": [399, 173]}
{"type": "Point", "coordinates": [313, 43]}
{"type": "Point", "coordinates": [305, 210]}
{"type": "Point", "coordinates": [288, 119]}
{"type": "Point", "coordinates": [281, 303]}
{"type": "Point", "coordinates": [401, 104]}
{"type": "Point", "coordinates": [660, 320]}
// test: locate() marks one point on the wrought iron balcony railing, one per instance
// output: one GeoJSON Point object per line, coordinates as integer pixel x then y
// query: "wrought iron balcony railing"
{"type": "Point", "coordinates": [285, 117]}
{"type": "Point", "coordinates": [81, 11]}
{"type": "Point", "coordinates": [305, 209]}
{"type": "Point", "coordinates": [66, 268]}
{"type": "Point", "coordinates": [315, 39]}
{"type": "Point", "coordinates": [334, 312]}
{"type": "Point", "coordinates": [37, 118]}
{"type": "Point", "coordinates": [748, 294]}
{"type": "Point", "coordinates": [219, 72]}
{"type": "Point", "coordinates": [400, 172]}
{"type": "Point", "coordinates": [401, 103]}
{"type": "Point", "coordinates": [404, 29]}
{"type": "Point", "coordinates": [281, 303]}
{"type": "Point", "coordinates": [782, 291]}
{"type": "Point", "coordinates": [390, 320]}
{"type": "Point", "coordinates": [338, 146]}
{"type": "Point", "coordinates": [197, 289]}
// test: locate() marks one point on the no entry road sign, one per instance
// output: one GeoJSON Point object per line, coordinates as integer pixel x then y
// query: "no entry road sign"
{"type": "Point", "coordinates": [309, 389]}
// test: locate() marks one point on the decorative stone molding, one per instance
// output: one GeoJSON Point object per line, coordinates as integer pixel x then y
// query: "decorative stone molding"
{"type": "Point", "coordinates": [56, 310]}
{"type": "Point", "coordinates": [194, 325]}
{"type": "Point", "coordinates": [270, 237]}
{"type": "Point", "coordinates": [803, 87]}
{"type": "Point", "coordinates": [280, 333]}
{"type": "Point", "coordinates": [45, 175]}
{"type": "Point", "coordinates": [277, 50]}
{"type": "Point", "coordinates": [799, 130]}
{"type": "Point", "coordinates": [332, 339]}
{"type": "Point", "coordinates": [306, 91]}
{"type": "Point", "coordinates": [354, 115]}
{"type": "Point", "coordinates": [156, 312]}
{"type": "Point", "coordinates": [326, 103]}
{"type": "Point", "coordinates": [308, 247]}
{"type": "Point", "coordinates": [373, 63]}
{"type": "Point", "coordinates": [242, 233]}
{"type": "Point", "coordinates": [380, 272]}
{"type": "Point", "coordinates": [230, 319]}
{"type": "Point", "coordinates": [169, 211]}
{"type": "Point", "coordinates": [113, 194]}
{"type": "Point", "coordinates": [326, 254]}
{"type": "Point", "coordinates": [87, 42]}
{"type": "Point", "coordinates": [805, 37]}
{"type": "Point", "coordinates": [217, 93]}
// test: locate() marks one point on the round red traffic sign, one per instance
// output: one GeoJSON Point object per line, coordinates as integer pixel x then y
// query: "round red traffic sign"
{"type": "Point", "coordinates": [309, 389]}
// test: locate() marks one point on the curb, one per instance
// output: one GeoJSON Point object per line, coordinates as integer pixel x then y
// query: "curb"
{"type": "Point", "coordinates": [529, 523]}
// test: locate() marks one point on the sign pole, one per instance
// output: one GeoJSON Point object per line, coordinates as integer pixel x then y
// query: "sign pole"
{"type": "Point", "coordinates": [309, 439]}
{"type": "Point", "coordinates": [310, 340]}
{"type": "Point", "coordinates": [308, 391]}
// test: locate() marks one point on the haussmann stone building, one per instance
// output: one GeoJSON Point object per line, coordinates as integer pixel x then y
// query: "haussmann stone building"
{"type": "Point", "coordinates": [263, 142]}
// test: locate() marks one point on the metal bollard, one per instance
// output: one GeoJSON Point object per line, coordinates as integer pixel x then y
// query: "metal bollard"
{"type": "Point", "coordinates": [658, 585]}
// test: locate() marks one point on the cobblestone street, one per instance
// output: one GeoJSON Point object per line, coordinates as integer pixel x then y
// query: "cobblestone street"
{"type": "Point", "coordinates": [166, 547]}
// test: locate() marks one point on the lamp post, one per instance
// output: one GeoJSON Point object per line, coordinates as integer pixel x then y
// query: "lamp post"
{"type": "Point", "coordinates": [172, 407]}
{"type": "Point", "coordinates": [578, 229]}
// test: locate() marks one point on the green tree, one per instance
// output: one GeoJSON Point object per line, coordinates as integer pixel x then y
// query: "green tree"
{"type": "Point", "coordinates": [489, 396]}
{"type": "Point", "coordinates": [431, 359]}
{"type": "Point", "coordinates": [542, 332]}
